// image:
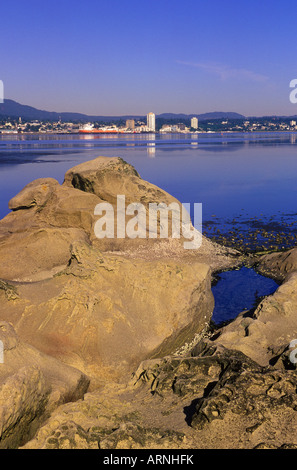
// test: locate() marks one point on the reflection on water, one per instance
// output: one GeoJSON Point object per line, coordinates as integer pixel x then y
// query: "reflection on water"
{"type": "Point", "coordinates": [97, 140]}
{"type": "Point", "coordinates": [151, 146]}
{"type": "Point", "coordinates": [151, 150]}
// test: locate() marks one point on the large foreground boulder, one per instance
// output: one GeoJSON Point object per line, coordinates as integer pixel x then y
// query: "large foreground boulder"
{"type": "Point", "coordinates": [99, 305]}
{"type": "Point", "coordinates": [36, 238]}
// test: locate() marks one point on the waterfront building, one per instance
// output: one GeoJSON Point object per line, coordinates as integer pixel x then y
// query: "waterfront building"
{"type": "Point", "coordinates": [194, 123]}
{"type": "Point", "coordinates": [130, 124]}
{"type": "Point", "coordinates": [151, 121]}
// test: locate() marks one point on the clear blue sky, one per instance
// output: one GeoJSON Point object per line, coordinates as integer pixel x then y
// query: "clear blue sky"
{"type": "Point", "coordinates": [131, 57]}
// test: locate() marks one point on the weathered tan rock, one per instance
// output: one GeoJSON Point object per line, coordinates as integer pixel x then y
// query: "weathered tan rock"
{"type": "Point", "coordinates": [23, 400]}
{"type": "Point", "coordinates": [36, 193]}
{"type": "Point", "coordinates": [219, 399]}
{"type": "Point", "coordinates": [109, 177]}
{"type": "Point", "coordinates": [98, 308]}
{"type": "Point", "coordinates": [37, 254]}
{"type": "Point", "coordinates": [45, 221]}
{"type": "Point", "coordinates": [100, 311]}
{"type": "Point", "coordinates": [113, 177]}
{"type": "Point", "coordinates": [105, 313]}
{"type": "Point", "coordinates": [48, 218]}
{"type": "Point", "coordinates": [32, 385]}
{"type": "Point", "coordinates": [278, 265]}
{"type": "Point", "coordinates": [104, 308]}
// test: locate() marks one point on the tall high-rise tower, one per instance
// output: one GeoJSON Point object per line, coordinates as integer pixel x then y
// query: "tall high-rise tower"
{"type": "Point", "coordinates": [194, 123]}
{"type": "Point", "coordinates": [151, 121]}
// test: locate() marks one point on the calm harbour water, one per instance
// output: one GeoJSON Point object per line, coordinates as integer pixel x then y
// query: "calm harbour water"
{"type": "Point", "coordinates": [247, 183]}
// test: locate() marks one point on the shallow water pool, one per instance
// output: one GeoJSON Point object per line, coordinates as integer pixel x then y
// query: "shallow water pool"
{"type": "Point", "coordinates": [239, 290]}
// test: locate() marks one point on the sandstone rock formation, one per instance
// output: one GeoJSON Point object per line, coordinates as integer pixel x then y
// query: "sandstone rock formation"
{"type": "Point", "coordinates": [217, 399]}
{"type": "Point", "coordinates": [47, 218]}
{"type": "Point", "coordinates": [113, 307]}
{"type": "Point", "coordinates": [104, 313]}
{"type": "Point", "coordinates": [236, 388]}
{"type": "Point", "coordinates": [278, 265]}
{"type": "Point", "coordinates": [32, 385]}
{"type": "Point", "coordinates": [96, 307]}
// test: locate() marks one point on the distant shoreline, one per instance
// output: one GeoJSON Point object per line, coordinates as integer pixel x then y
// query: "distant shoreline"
{"type": "Point", "coordinates": [152, 133]}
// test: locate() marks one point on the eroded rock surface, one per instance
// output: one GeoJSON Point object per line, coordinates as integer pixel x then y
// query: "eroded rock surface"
{"type": "Point", "coordinates": [32, 385]}
{"type": "Point", "coordinates": [102, 307]}
{"type": "Point", "coordinates": [98, 307]}
{"type": "Point", "coordinates": [103, 314]}
{"type": "Point", "coordinates": [218, 399]}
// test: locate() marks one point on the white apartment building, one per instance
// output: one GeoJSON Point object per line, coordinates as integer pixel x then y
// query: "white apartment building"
{"type": "Point", "coordinates": [151, 121]}
{"type": "Point", "coordinates": [194, 123]}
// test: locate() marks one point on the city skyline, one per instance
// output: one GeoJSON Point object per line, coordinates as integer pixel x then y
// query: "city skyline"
{"type": "Point", "coordinates": [200, 58]}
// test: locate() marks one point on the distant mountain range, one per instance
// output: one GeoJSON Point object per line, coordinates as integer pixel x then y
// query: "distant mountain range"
{"type": "Point", "coordinates": [202, 117]}
{"type": "Point", "coordinates": [11, 108]}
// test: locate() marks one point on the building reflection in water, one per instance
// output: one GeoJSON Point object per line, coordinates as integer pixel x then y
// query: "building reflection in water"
{"type": "Point", "coordinates": [194, 138]}
{"type": "Point", "coordinates": [151, 146]}
{"type": "Point", "coordinates": [151, 150]}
